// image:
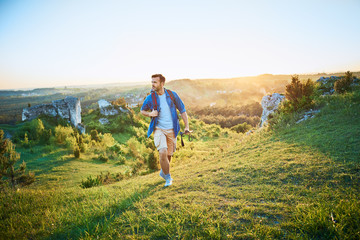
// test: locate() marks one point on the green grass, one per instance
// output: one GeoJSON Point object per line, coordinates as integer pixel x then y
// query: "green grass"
{"type": "Point", "coordinates": [299, 182]}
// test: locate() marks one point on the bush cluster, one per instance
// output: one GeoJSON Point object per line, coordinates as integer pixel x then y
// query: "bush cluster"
{"type": "Point", "coordinates": [32, 133]}
{"type": "Point", "coordinates": [82, 143]}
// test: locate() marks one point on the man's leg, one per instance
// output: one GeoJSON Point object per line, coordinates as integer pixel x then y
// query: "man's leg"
{"type": "Point", "coordinates": [164, 161]}
{"type": "Point", "coordinates": [165, 166]}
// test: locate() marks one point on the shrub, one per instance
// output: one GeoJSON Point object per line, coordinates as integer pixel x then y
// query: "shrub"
{"type": "Point", "coordinates": [45, 136]}
{"type": "Point", "coordinates": [83, 147]}
{"type": "Point", "coordinates": [62, 133]}
{"type": "Point", "coordinates": [152, 161]}
{"type": "Point", "coordinates": [96, 125]}
{"type": "Point", "coordinates": [122, 160]}
{"type": "Point", "coordinates": [105, 179]}
{"type": "Point", "coordinates": [139, 133]}
{"type": "Point", "coordinates": [241, 128]}
{"type": "Point", "coordinates": [103, 158]}
{"type": "Point", "coordinates": [134, 170]}
{"type": "Point", "coordinates": [115, 148]}
{"type": "Point", "coordinates": [26, 143]}
{"type": "Point", "coordinates": [77, 152]}
{"type": "Point", "coordinates": [101, 179]}
{"type": "Point", "coordinates": [134, 148]}
{"type": "Point", "coordinates": [107, 140]}
{"type": "Point", "coordinates": [71, 143]}
{"type": "Point", "coordinates": [26, 179]}
{"type": "Point", "coordinates": [344, 84]}
{"type": "Point", "coordinates": [35, 129]}
{"type": "Point", "coordinates": [119, 177]}
{"type": "Point", "coordinates": [90, 182]}
{"type": "Point", "coordinates": [95, 135]}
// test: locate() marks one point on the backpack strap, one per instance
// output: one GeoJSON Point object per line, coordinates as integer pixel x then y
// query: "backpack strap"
{"type": "Point", "coordinates": [154, 100]}
{"type": "Point", "coordinates": [171, 94]}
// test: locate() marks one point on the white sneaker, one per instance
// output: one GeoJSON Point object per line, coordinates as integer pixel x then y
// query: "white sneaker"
{"type": "Point", "coordinates": [168, 182]}
{"type": "Point", "coordinates": [162, 174]}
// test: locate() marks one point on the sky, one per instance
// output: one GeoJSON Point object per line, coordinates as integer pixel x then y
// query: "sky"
{"type": "Point", "coordinates": [50, 43]}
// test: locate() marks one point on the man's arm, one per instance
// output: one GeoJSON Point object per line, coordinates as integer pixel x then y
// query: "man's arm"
{"type": "Point", "coordinates": [146, 107]}
{"type": "Point", "coordinates": [184, 116]}
{"type": "Point", "coordinates": [153, 113]}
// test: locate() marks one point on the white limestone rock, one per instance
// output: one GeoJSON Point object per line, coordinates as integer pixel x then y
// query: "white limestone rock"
{"type": "Point", "coordinates": [270, 104]}
{"type": "Point", "coordinates": [327, 84]}
{"type": "Point", "coordinates": [106, 108]}
{"type": "Point", "coordinates": [68, 108]}
{"type": "Point", "coordinates": [309, 114]}
{"type": "Point", "coordinates": [104, 121]}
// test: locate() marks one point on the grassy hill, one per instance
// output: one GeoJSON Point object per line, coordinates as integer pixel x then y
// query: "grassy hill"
{"type": "Point", "coordinates": [300, 181]}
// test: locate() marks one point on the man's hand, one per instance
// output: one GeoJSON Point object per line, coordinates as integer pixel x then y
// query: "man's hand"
{"type": "Point", "coordinates": [187, 131]}
{"type": "Point", "coordinates": [154, 113]}
{"type": "Point", "coordinates": [184, 116]}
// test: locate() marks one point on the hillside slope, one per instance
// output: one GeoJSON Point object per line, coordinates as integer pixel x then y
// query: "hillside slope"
{"type": "Point", "coordinates": [299, 182]}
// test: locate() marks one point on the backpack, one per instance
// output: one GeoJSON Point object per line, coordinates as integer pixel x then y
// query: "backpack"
{"type": "Point", "coordinates": [155, 103]}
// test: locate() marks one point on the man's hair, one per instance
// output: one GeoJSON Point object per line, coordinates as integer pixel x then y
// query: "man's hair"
{"type": "Point", "coordinates": [162, 78]}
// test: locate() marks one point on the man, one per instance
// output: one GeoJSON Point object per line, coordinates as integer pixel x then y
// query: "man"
{"type": "Point", "coordinates": [164, 122]}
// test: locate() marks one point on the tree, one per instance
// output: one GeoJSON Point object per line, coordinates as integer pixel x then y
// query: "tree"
{"type": "Point", "coordinates": [344, 84]}
{"type": "Point", "coordinates": [8, 159]}
{"type": "Point", "coordinates": [299, 95]}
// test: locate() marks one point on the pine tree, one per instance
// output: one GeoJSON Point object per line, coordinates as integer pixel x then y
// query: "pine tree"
{"type": "Point", "coordinates": [8, 159]}
{"type": "Point", "coordinates": [299, 95]}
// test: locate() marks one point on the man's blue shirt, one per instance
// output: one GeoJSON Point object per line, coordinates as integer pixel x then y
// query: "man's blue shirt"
{"type": "Point", "coordinates": [149, 105]}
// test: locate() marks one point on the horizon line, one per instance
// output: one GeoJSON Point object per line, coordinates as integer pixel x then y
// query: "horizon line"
{"type": "Point", "coordinates": [144, 82]}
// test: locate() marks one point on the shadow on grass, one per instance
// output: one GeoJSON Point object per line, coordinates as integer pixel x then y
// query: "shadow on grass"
{"type": "Point", "coordinates": [100, 222]}
{"type": "Point", "coordinates": [45, 165]}
{"type": "Point", "coordinates": [335, 135]}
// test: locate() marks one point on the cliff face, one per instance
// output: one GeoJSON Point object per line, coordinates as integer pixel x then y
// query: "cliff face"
{"type": "Point", "coordinates": [68, 108]}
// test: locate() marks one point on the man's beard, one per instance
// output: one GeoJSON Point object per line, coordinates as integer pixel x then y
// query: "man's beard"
{"type": "Point", "coordinates": [156, 89]}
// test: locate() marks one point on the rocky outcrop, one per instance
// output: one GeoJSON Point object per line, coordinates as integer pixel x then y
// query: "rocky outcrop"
{"type": "Point", "coordinates": [328, 80]}
{"type": "Point", "coordinates": [68, 108]}
{"type": "Point", "coordinates": [309, 114]}
{"type": "Point", "coordinates": [327, 84]}
{"type": "Point", "coordinates": [270, 104]}
{"type": "Point", "coordinates": [107, 109]}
